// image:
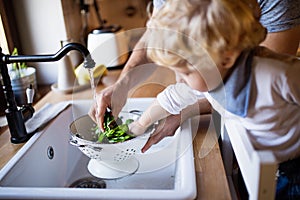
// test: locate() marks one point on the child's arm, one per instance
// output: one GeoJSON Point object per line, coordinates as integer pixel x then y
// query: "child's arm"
{"type": "Point", "coordinates": [173, 100]}
{"type": "Point", "coordinates": [153, 113]}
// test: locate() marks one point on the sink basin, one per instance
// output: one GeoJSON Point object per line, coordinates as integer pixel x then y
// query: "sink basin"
{"type": "Point", "coordinates": [48, 167]}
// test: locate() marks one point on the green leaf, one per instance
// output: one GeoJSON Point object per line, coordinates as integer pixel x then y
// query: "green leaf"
{"type": "Point", "coordinates": [18, 66]}
{"type": "Point", "coordinates": [115, 130]}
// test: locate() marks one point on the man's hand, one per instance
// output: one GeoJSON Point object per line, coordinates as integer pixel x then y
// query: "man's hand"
{"type": "Point", "coordinates": [167, 127]}
{"type": "Point", "coordinates": [112, 97]}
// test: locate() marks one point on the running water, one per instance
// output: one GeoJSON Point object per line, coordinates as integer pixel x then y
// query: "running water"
{"type": "Point", "coordinates": [92, 81]}
{"type": "Point", "coordinates": [93, 87]}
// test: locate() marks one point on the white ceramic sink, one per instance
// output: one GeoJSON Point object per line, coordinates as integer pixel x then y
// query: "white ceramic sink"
{"type": "Point", "coordinates": [47, 165]}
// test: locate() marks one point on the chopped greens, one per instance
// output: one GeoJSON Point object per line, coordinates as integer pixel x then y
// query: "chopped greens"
{"type": "Point", "coordinates": [115, 130]}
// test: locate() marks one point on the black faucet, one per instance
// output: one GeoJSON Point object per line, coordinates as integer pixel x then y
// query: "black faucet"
{"type": "Point", "coordinates": [17, 116]}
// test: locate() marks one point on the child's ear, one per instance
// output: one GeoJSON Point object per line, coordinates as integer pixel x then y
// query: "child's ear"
{"type": "Point", "coordinates": [229, 58]}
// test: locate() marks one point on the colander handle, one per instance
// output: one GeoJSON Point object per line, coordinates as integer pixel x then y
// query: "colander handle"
{"type": "Point", "coordinates": [75, 143]}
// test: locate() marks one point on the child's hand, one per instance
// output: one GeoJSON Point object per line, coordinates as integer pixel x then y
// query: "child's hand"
{"type": "Point", "coordinates": [136, 128]}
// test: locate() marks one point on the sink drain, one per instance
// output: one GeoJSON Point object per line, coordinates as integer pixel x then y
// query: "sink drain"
{"type": "Point", "coordinates": [88, 183]}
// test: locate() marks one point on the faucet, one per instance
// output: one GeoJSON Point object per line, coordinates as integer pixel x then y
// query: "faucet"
{"type": "Point", "coordinates": [17, 116]}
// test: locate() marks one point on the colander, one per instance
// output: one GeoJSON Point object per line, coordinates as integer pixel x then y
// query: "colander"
{"type": "Point", "coordinates": [108, 160]}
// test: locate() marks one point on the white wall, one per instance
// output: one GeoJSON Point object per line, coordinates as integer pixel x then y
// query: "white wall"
{"type": "Point", "coordinates": [41, 28]}
{"type": "Point", "coordinates": [41, 25]}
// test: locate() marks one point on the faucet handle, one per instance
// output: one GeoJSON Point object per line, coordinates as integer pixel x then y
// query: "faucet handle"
{"type": "Point", "coordinates": [28, 110]}
{"type": "Point", "coordinates": [30, 94]}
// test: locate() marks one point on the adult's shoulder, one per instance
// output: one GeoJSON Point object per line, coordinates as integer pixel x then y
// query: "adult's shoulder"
{"type": "Point", "coordinates": [268, 58]}
{"type": "Point", "coordinates": [277, 69]}
{"type": "Point", "coordinates": [279, 15]}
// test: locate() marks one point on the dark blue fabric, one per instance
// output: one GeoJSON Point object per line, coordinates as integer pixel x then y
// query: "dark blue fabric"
{"type": "Point", "coordinates": [288, 182]}
{"type": "Point", "coordinates": [235, 93]}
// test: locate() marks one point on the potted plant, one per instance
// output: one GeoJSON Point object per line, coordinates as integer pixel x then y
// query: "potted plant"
{"type": "Point", "coordinates": [22, 77]}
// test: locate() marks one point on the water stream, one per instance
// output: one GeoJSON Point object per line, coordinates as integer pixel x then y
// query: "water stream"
{"type": "Point", "coordinates": [94, 92]}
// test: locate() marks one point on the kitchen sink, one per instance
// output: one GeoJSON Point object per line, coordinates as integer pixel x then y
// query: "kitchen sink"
{"type": "Point", "coordinates": [48, 167]}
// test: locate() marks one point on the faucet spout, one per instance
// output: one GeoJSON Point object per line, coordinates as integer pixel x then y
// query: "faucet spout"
{"type": "Point", "coordinates": [88, 61]}
{"type": "Point", "coordinates": [15, 118]}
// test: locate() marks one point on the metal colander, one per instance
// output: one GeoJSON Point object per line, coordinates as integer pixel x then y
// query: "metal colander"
{"type": "Point", "coordinates": [83, 136]}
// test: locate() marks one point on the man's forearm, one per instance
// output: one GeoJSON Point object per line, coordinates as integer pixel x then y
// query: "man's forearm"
{"type": "Point", "coordinates": [202, 106]}
{"type": "Point", "coordinates": [138, 68]}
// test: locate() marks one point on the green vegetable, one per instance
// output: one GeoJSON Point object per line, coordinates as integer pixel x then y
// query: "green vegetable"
{"type": "Point", "coordinates": [115, 130]}
{"type": "Point", "coordinates": [18, 67]}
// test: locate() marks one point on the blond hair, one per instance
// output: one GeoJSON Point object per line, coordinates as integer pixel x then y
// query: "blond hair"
{"type": "Point", "coordinates": [189, 27]}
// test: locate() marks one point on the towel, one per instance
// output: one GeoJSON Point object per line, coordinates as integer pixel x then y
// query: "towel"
{"type": "Point", "coordinates": [41, 118]}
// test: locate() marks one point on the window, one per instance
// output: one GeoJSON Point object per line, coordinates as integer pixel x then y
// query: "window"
{"type": "Point", "coordinates": [8, 31]}
{"type": "Point", "coordinates": [3, 40]}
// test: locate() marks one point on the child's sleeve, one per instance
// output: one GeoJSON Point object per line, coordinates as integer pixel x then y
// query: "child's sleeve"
{"type": "Point", "coordinates": [177, 97]}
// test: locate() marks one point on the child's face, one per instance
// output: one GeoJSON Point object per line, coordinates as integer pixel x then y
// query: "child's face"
{"type": "Point", "coordinates": [203, 79]}
{"type": "Point", "coordinates": [191, 77]}
{"type": "Point", "coordinates": [210, 73]}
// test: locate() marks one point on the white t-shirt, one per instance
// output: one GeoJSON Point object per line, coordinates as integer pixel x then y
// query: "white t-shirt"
{"type": "Point", "coordinates": [272, 118]}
